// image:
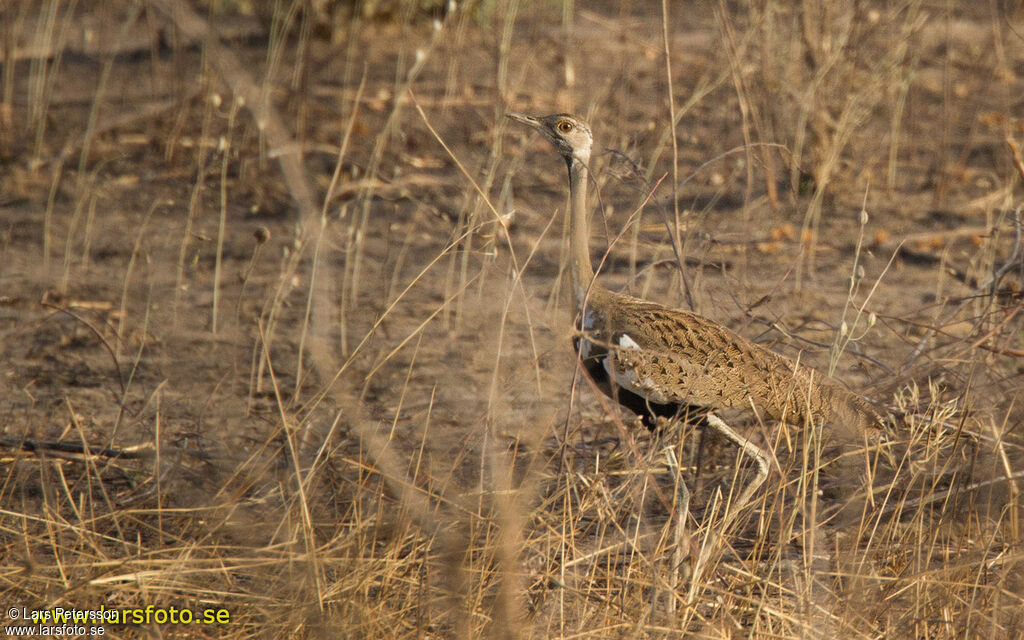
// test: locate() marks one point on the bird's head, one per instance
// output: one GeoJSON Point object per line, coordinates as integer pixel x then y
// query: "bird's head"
{"type": "Point", "coordinates": [570, 135]}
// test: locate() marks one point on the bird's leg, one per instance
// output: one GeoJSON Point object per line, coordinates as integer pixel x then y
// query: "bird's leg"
{"type": "Point", "coordinates": [713, 539]}
{"type": "Point", "coordinates": [682, 493]}
{"type": "Point", "coordinates": [749, 448]}
{"type": "Point", "coordinates": [681, 540]}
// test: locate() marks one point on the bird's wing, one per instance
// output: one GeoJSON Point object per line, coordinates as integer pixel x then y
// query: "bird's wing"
{"type": "Point", "coordinates": [655, 372]}
{"type": "Point", "coordinates": [672, 356]}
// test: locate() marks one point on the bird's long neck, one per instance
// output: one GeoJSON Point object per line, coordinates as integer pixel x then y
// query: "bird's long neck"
{"type": "Point", "coordinates": [579, 232]}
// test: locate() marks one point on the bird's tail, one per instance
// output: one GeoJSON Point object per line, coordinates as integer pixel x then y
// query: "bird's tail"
{"type": "Point", "coordinates": [853, 420]}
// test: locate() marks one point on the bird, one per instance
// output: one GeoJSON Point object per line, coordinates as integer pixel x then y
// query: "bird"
{"type": "Point", "coordinates": [661, 361]}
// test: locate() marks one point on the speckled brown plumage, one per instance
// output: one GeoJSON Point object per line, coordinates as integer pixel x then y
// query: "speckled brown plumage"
{"type": "Point", "coordinates": [682, 358]}
{"type": "Point", "coordinates": [659, 361]}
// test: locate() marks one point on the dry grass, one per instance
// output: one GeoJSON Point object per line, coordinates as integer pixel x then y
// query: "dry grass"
{"type": "Point", "coordinates": [286, 335]}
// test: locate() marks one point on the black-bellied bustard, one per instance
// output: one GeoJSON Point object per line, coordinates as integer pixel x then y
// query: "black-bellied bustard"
{"type": "Point", "coordinates": [657, 361]}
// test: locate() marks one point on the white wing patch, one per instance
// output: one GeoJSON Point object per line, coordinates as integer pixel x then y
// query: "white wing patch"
{"type": "Point", "coordinates": [628, 378]}
{"type": "Point", "coordinates": [625, 342]}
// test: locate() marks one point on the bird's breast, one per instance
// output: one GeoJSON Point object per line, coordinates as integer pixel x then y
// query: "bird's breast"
{"type": "Point", "coordinates": [588, 323]}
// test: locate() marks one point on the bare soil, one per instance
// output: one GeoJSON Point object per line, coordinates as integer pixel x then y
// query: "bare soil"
{"type": "Point", "coordinates": [368, 424]}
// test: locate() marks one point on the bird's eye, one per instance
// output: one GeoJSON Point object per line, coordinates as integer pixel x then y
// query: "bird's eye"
{"type": "Point", "coordinates": [565, 126]}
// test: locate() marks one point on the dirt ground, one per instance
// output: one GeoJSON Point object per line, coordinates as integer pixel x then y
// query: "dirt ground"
{"type": "Point", "coordinates": [356, 414]}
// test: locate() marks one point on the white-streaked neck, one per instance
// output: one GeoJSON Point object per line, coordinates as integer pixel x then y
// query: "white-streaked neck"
{"type": "Point", "coordinates": [581, 269]}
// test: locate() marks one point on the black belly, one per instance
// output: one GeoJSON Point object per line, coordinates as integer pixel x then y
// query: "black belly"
{"type": "Point", "coordinates": [648, 411]}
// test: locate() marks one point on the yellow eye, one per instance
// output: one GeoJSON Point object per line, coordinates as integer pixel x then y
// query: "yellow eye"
{"type": "Point", "coordinates": [565, 126]}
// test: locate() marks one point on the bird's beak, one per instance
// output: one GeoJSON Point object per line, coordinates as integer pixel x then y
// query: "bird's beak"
{"type": "Point", "coordinates": [529, 121]}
